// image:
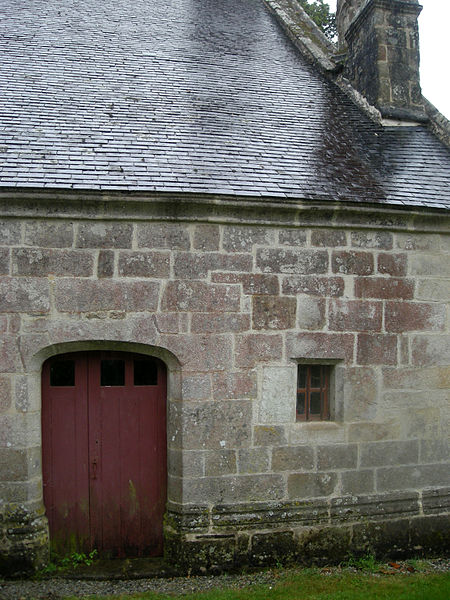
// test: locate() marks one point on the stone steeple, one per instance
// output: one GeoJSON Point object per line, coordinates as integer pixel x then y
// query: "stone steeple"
{"type": "Point", "coordinates": [382, 40]}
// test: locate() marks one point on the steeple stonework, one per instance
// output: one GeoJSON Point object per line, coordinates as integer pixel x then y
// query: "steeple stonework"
{"type": "Point", "coordinates": [345, 13]}
{"type": "Point", "coordinates": [382, 37]}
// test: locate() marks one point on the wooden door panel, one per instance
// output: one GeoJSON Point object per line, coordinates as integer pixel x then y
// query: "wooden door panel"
{"type": "Point", "coordinates": [66, 460]}
{"type": "Point", "coordinates": [124, 438]}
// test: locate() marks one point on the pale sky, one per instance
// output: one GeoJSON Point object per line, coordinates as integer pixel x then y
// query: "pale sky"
{"type": "Point", "coordinates": [434, 52]}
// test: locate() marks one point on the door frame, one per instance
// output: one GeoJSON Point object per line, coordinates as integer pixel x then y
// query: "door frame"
{"type": "Point", "coordinates": [174, 395]}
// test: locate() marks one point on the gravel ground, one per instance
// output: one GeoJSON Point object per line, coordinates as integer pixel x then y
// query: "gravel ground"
{"type": "Point", "coordinates": [58, 588]}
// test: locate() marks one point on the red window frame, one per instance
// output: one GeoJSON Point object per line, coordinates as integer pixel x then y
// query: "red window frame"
{"type": "Point", "coordinates": [313, 391]}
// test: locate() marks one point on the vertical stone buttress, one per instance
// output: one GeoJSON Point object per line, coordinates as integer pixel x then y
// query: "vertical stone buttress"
{"type": "Point", "coordinates": [382, 37]}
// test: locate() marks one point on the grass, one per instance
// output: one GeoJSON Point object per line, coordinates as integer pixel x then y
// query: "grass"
{"type": "Point", "coordinates": [313, 584]}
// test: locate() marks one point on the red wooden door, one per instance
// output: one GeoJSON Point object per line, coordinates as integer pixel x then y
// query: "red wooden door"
{"type": "Point", "coordinates": [104, 452]}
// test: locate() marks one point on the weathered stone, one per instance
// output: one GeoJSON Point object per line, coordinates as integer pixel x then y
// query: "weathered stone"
{"type": "Point", "coordinates": [430, 265]}
{"type": "Point", "coordinates": [436, 501]}
{"type": "Point", "coordinates": [212, 426]}
{"type": "Point", "coordinates": [376, 349]}
{"type": "Point", "coordinates": [328, 237]}
{"type": "Point", "coordinates": [200, 352]}
{"type": "Point", "coordinates": [392, 264]}
{"type": "Point", "coordinates": [412, 477]}
{"type": "Point", "coordinates": [432, 451]}
{"type": "Point", "coordinates": [361, 393]}
{"type": "Point", "coordinates": [5, 393]}
{"type": "Point", "coordinates": [24, 295]}
{"type": "Point", "coordinates": [358, 482]}
{"type": "Point", "coordinates": [4, 261]}
{"type": "Point", "coordinates": [414, 316]}
{"type": "Point", "coordinates": [73, 295]}
{"type": "Point", "coordinates": [430, 350]}
{"type": "Point", "coordinates": [197, 266]}
{"type": "Point", "coordinates": [278, 395]}
{"type": "Point", "coordinates": [239, 488]}
{"type": "Point", "coordinates": [337, 456]}
{"type": "Point", "coordinates": [311, 485]}
{"type": "Point", "coordinates": [316, 432]}
{"type": "Point", "coordinates": [303, 262]}
{"type": "Point", "coordinates": [271, 548]}
{"type": "Point", "coordinates": [196, 386]}
{"type": "Point", "coordinates": [234, 385]}
{"type": "Point", "coordinates": [224, 323]}
{"type": "Point", "coordinates": [416, 379]}
{"type": "Point", "coordinates": [314, 286]}
{"type": "Point", "coordinates": [273, 312]}
{"type": "Point", "coordinates": [429, 535]}
{"type": "Point", "coordinates": [206, 237]}
{"type": "Point", "coordinates": [425, 423]}
{"type": "Point", "coordinates": [252, 283]}
{"type": "Point", "coordinates": [372, 239]}
{"type": "Point", "coordinates": [49, 234]}
{"type": "Point", "coordinates": [10, 232]}
{"type": "Point", "coordinates": [433, 289]}
{"type": "Point", "coordinates": [163, 235]}
{"type": "Point", "coordinates": [198, 296]}
{"type": "Point", "coordinates": [382, 287]}
{"type": "Point", "coordinates": [355, 315]}
{"type": "Point", "coordinates": [104, 235]}
{"type": "Point", "coordinates": [105, 267]}
{"type": "Point", "coordinates": [20, 465]}
{"type": "Point", "coordinates": [417, 241]}
{"type": "Point", "coordinates": [269, 435]}
{"type": "Point", "coordinates": [252, 349]}
{"type": "Point", "coordinates": [168, 322]}
{"type": "Point", "coordinates": [378, 454]}
{"type": "Point", "coordinates": [320, 345]}
{"type": "Point", "coordinates": [9, 354]}
{"type": "Point", "coordinates": [40, 263]}
{"type": "Point", "coordinates": [253, 460]}
{"type": "Point", "coordinates": [372, 431]}
{"type": "Point", "coordinates": [242, 239]}
{"type": "Point", "coordinates": [292, 458]}
{"type": "Point", "coordinates": [186, 463]}
{"type": "Point", "coordinates": [22, 395]}
{"type": "Point", "coordinates": [292, 237]}
{"type": "Point", "coordinates": [144, 264]}
{"type": "Point", "coordinates": [352, 263]}
{"type": "Point", "coordinates": [220, 462]}
{"type": "Point", "coordinates": [311, 313]}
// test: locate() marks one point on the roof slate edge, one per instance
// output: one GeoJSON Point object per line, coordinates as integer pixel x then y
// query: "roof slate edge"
{"type": "Point", "coordinates": [305, 34]}
{"type": "Point", "coordinates": [113, 205]}
{"type": "Point", "coordinates": [438, 123]}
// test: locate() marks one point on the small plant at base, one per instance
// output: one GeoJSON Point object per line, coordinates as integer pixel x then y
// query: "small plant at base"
{"type": "Point", "coordinates": [71, 561]}
{"type": "Point", "coordinates": [363, 563]}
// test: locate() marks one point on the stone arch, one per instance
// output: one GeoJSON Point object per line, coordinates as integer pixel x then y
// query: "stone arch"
{"type": "Point", "coordinates": [34, 369]}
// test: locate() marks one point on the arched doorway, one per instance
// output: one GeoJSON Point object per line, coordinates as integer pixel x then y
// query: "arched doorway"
{"type": "Point", "coordinates": [104, 452]}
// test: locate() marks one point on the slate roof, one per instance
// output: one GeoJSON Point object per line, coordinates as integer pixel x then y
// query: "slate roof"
{"type": "Point", "coordinates": [191, 95]}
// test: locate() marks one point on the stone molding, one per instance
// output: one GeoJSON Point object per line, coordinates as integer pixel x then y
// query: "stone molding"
{"type": "Point", "coordinates": [220, 209]}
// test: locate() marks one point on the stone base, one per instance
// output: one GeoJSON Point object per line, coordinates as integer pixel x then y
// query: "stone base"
{"type": "Point", "coordinates": [223, 541]}
{"type": "Point", "coordinates": [24, 542]}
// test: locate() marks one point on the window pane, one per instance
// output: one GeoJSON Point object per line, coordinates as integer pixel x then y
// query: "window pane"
{"type": "Point", "coordinates": [112, 372]}
{"type": "Point", "coordinates": [302, 370]}
{"type": "Point", "coordinates": [62, 373]}
{"type": "Point", "coordinates": [300, 403]}
{"type": "Point", "coordinates": [314, 405]}
{"type": "Point", "coordinates": [316, 371]}
{"type": "Point", "coordinates": [145, 372]}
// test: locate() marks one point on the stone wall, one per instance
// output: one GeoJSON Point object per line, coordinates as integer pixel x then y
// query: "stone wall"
{"type": "Point", "coordinates": [232, 307]}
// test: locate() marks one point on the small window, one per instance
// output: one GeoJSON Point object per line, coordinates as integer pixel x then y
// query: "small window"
{"type": "Point", "coordinates": [62, 373]}
{"type": "Point", "coordinates": [145, 372]}
{"type": "Point", "coordinates": [313, 390]}
{"type": "Point", "coordinates": [112, 373]}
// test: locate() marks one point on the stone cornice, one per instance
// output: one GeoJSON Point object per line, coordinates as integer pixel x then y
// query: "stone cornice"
{"type": "Point", "coordinates": [210, 208]}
